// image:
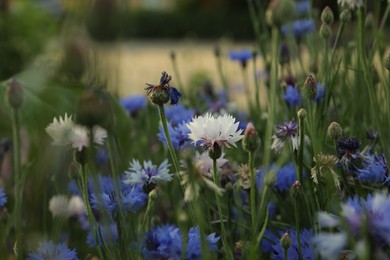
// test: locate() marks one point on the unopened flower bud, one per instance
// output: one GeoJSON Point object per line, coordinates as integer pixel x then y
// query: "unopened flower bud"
{"type": "Point", "coordinates": [369, 21]}
{"type": "Point", "coordinates": [310, 88]}
{"type": "Point", "coordinates": [284, 57]}
{"type": "Point", "coordinates": [92, 109]}
{"type": "Point", "coordinates": [159, 97]}
{"type": "Point", "coordinates": [285, 241]}
{"type": "Point", "coordinates": [335, 130]}
{"type": "Point", "coordinates": [387, 62]}
{"type": "Point", "coordinates": [251, 140]}
{"type": "Point", "coordinates": [345, 16]}
{"type": "Point", "coordinates": [372, 135]}
{"type": "Point", "coordinates": [301, 113]}
{"type": "Point", "coordinates": [15, 94]}
{"type": "Point", "coordinates": [296, 189]}
{"type": "Point", "coordinates": [74, 171]}
{"type": "Point", "coordinates": [327, 16]}
{"type": "Point", "coordinates": [215, 152]}
{"type": "Point", "coordinates": [279, 12]}
{"type": "Point", "coordinates": [81, 156]}
{"type": "Point", "coordinates": [152, 197]}
{"type": "Point", "coordinates": [325, 31]}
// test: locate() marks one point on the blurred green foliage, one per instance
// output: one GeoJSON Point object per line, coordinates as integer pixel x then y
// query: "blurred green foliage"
{"type": "Point", "coordinates": [24, 30]}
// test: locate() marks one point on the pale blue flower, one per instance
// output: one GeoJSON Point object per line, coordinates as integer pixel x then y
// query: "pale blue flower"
{"type": "Point", "coordinates": [50, 251]}
{"type": "Point", "coordinates": [148, 173]}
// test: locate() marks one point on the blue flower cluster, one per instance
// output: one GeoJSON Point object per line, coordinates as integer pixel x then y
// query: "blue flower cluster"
{"type": "Point", "coordinates": [3, 197]}
{"type": "Point", "coordinates": [302, 7]}
{"type": "Point", "coordinates": [133, 104]}
{"type": "Point", "coordinates": [49, 250]}
{"type": "Point", "coordinates": [164, 242]}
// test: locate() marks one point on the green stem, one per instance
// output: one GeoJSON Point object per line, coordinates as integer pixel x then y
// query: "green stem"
{"type": "Point", "coordinates": [301, 148]}
{"type": "Point", "coordinates": [257, 87]}
{"type": "Point", "coordinates": [177, 74]}
{"type": "Point", "coordinates": [226, 246]}
{"type": "Point", "coordinates": [253, 188]}
{"type": "Point", "coordinates": [285, 253]}
{"type": "Point", "coordinates": [221, 75]}
{"type": "Point", "coordinates": [338, 37]}
{"type": "Point", "coordinates": [272, 96]}
{"type": "Point", "coordinates": [246, 87]}
{"type": "Point", "coordinates": [173, 155]}
{"type": "Point", "coordinates": [298, 227]}
{"type": "Point", "coordinates": [18, 178]}
{"type": "Point", "coordinates": [256, 28]}
{"type": "Point", "coordinates": [90, 216]}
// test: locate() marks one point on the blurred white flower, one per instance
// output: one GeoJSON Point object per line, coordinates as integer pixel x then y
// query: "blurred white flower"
{"type": "Point", "coordinates": [58, 206]}
{"type": "Point", "coordinates": [76, 206]}
{"type": "Point", "coordinates": [65, 132]}
{"type": "Point", "coordinates": [207, 131]}
{"type": "Point", "coordinates": [351, 4]}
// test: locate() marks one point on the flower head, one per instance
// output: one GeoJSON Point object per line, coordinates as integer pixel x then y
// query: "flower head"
{"type": "Point", "coordinates": [325, 164]}
{"type": "Point", "coordinates": [179, 114]}
{"type": "Point", "coordinates": [299, 28]}
{"type": "Point", "coordinates": [242, 56]}
{"type": "Point", "coordinates": [58, 206]}
{"type": "Point", "coordinates": [285, 132]}
{"type": "Point", "coordinates": [3, 197]}
{"type": "Point", "coordinates": [133, 104]}
{"type": "Point", "coordinates": [209, 131]}
{"type": "Point", "coordinates": [351, 4]}
{"type": "Point", "coordinates": [374, 169]}
{"type": "Point", "coordinates": [163, 91]}
{"type": "Point", "coordinates": [178, 134]}
{"type": "Point", "coordinates": [306, 237]}
{"type": "Point", "coordinates": [49, 250]}
{"type": "Point", "coordinates": [292, 96]}
{"type": "Point", "coordinates": [148, 173]}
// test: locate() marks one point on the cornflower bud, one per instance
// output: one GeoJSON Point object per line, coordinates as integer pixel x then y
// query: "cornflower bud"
{"type": "Point", "coordinates": [285, 241]}
{"type": "Point", "coordinates": [15, 94]}
{"type": "Point", "coordinates": [296, 189]}
{"type": "Point", "coordinates": [345, 16]}
{"type": "Point", "coordinates": [279, 12]}
{"type": "Point", "coordinates": [216, 152]}
{"type": "Point", "coordinates": [335, 130]}
{"type": "Point", "coordinates": [301, 113]}
{"type": "Point", "coordinates": [327, 16]}
{"type": "Point", "coordinates": [387, 62]}
{"type": "Point", "coordinates": [310, 88]}
{"type": "Point", "coordinates": [251, 140]}
{"type": "Point", "coordinates": [325, 31]}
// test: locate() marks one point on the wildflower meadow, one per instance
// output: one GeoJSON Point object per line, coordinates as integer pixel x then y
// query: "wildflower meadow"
{"type": "Point", "coordinates": [292, 165]}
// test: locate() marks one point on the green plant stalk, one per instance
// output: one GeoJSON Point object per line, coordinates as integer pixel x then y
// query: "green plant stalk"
{"type": "Point", "coordinates": [272, 97]}
{"type": "Point", "coordinates": [18, 178]}
{"type": "Point", "coordinates": [257, 87]}
{"type": "Point", "coordinates": [173, 155]}
{"type": "Point", "coordinates": [381, 26]}
{"type": "Point", "coordinates": [301, 148]}
{"type": "Point", "coordinates": [246, 87]}
{"type": "Point", "coordinates": [256, 28]}
{"type": "Point", "coordinates": [338, 37]}
{"type": "Point", "coordinates": [90, 216]}
{"type": "Point", "coordinates": [297, 227]}
{"type": "Point", "coordinates": [221, 75]}
{"type": "Point", "coordinates": [177, 74]}
{"type": "Point", "coordinates": [226, 246]}
{"type": "Point", "coordinates": [253, 187]}
{"type": "Point", "coordinates": [285, 253]}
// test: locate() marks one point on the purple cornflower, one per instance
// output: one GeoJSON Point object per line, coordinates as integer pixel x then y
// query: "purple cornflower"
{"type": "Point", "coordinates": [348, 152]}
{"type": "Point", "coordinates": [299, 28]}
{"type": "Point", "coordinates": [194, 243]}
{"type": "Point", "coordinates": [49, 250]}
{"type": "Point", "coordinates": [285, 177]}
{"type": "Point", "coordinates": [286, 132]}
{"type": "Point", "coordinates": [179, 114]}
{"type": "Point", "coordinates": [306, 237]}
{"type": "Point", "coordinates": [132, 198]}
{"type": "Point", "coordinates": [292, 96]}
{"type": "Point", "coordinates": [3, 197]}
{"type": "Point", "coordinates": [242, 56]}
{"type": "Point", "coordinates": [133, 104]}
{"type": "Point", "coordinates": [108, 232]}
{"type": "Point", "coordinates": [163, 91]}
{"type": "Point", "coordinates": [178, 135]}
{"type": "Point", "coordinates": [374, 169]}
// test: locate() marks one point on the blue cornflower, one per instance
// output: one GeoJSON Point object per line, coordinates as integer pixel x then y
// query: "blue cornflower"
{"type": "Point", "coordinates": [162, 243]}
{"type": "Point", "coordinates": [132, 198]}
{"type": "Point", "coordinates": [178, 135]}
{"type": "Point", "coordinates": [285, 177]}
{"type": "Point", "coordinates": [133, 104]}
{"type": "Point", "coordinates": [49, 250]}
{"type": "Point", "coordinates": [320, 92]}
{"type": "Point", "coordinates": [3, 197]}
{"type": "Point", "coordinates": [292, 96]}
{"type": "Point", "coordinates": [148, 173]}
{"type": "Point", "coordinates": [302, 7]}
{"type": "Point", "coordinates": [108, 232]}
{"type": "Point", "coordinates": [293, 253]}
{"type": "Point", "coordinates": [194, 244]}
{"type": "Point", "coordinates": [102, 157]}
{"type": "Point", "coordinates": [348, 152]}
{"type": "Point", "coordinates": [163, 92]}
{"type": "Point", "coordinates": [242, 56]}
{"type": "Point", "coordinates": [374, 169]}
{"type": "Point", "coordinates": [179, 114]}
{"type": "Point", "coordinates": [299, 28]}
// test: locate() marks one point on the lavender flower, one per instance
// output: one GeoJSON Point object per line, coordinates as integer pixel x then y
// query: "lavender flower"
{"type": "Point", "coordinates": [374, 169]}
{"type": "Point", "coordinates": [285, 178]}
{"type": "Point", "coordinates": [302, 7]}
{"type": "Point", "coordinates": [242, 56]}
{"type": "Point", "coordinates": [3, 197]}
{"type": "Point", "coordinates": [49, 250]}
{"type": "Point", "coordinates": [286, 132]}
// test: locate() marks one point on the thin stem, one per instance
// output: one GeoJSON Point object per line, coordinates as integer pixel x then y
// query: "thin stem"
{"type": "Point", "coordinates": [257, 86]}
{"type": "Point", "coordinates": [297, 227]}
{"type": "Point", "coordinates": [285, 253]}
{"type": "Point", "coordinates": [221, 75]}
{"type": "Point", "coordinates": [301, 148]}
{"type": "Point", "coordinates": [246, 86]}
{"type": "Point", "coordinates": [176, 70]}
{"type": "Point", "coordinates": [338, 37]}
{"type": "Point", "coordinates": [253, 188]}
{"type": "Point", "coordinates": [226, 246]}
{"type": "Point", "coordinates": [18, 179]}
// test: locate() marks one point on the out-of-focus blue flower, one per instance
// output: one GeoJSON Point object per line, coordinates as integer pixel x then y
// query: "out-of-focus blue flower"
{"type": "Point", "coordinates": [164, 242]}
{"type": "Point", "coordinates": [179, 114]}
{"type": "Point", "coordinates": [3, 197]}
{"type": "Point", "coordinates": [49, 250]}
{"type": "Point", "coordinates": [302, 7]}
{"type": "Point", "coordinates": [242, 55]}
{"type": "Point", "coordinates": [329, 245]}
{"type": "Point", "coordinates": [293, 253]}
{"type": "Point", "coordinates": [374, 169]}
{"type": "Point", "coordinates": [108, 232]}
{"type": "Point", "coordinates": [285, 177]}
{"type": "Point", "coordinates": [164, 85]}
{"type": "Point", "coordinates": [292, 96]}
{"type": "Point", "coordinates": [194, 244]}
{"type": "Point", "coordinates": [218, 104]}
{"type": "Point", "coordinates": [320, 92]}
{"type": "Point", "coordinates": [148, 173]}
{"type": "Point", "coordinates": [178, 134]}
{"type": "Point", "coordinates": [102, 157]}
{"type": "Point", "coordinates": [133, 104]}
{"type": "Point", "coordinates": [268, 241]}
{"type": "Point", "coordinates": [298, 28]}
{"type": "Point", "coordinates": [132, 198]}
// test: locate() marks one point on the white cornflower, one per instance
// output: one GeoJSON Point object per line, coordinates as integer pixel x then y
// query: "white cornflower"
{"type": "Point", "coordinates": [209, 131]}
{"type": "Point", "coordinates": [148, 173]}
{"type": "Point", "coordinates": [58, 206]}
{"type": "Point", "coordinates": [76, 206]}
{"type": "Point", "coordinates": [325, 164]}
{"type": "Point", "coordinates": [204, 164]}
{"type": "Point", "coordinates": [65, 132]}
{"type": "Point", "coordinates": [351, 4]}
